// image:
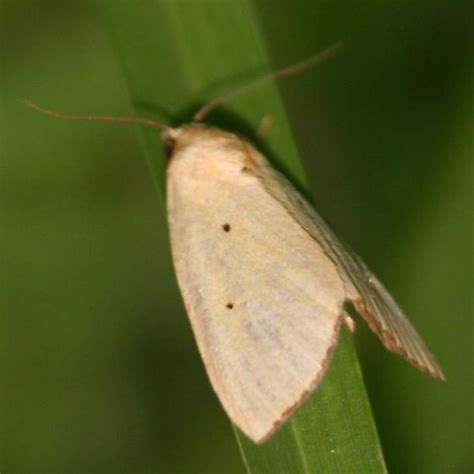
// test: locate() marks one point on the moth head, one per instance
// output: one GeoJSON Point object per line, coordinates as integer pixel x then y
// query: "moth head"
{"type": "Point", "coordinates": [197, 136]}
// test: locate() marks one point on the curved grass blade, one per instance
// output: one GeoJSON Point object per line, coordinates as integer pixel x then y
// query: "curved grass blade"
{"type": "Point", "coordinates": [176, 56]}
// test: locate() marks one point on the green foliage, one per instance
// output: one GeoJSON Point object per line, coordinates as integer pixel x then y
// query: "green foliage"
{"type": "Point", "coordinates": [99, 370]}
{"type": "Point", "coordinates": [205, 43]}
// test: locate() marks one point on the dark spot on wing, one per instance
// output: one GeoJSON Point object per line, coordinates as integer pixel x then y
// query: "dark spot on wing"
{"type": "Point", "coordinates": [229, 305]}
{"type": "Point", "coordinates": [246, 169]}
{"type": "Point", "coordinates": [169, 147]}
{"type": "Point", "coordinates": [226, 227]}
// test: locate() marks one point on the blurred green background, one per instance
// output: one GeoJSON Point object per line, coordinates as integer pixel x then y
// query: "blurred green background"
{"type": "Point", "coordinates": [99, 368]}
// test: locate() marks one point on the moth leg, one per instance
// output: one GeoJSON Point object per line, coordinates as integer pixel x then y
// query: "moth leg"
{"type": "Point", "coordinates": [264, 125]}
{"type": "Point", "coordinates": [349, 322]}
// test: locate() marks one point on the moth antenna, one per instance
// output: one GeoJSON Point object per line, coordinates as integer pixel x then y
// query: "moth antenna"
{"type": "Point", "coordinates": [284, 72]}
{"type": "Point", "coordinates": [97, 118]}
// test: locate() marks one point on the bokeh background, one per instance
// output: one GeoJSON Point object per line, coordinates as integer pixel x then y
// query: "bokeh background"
{"type": "Point", "coordinates": [99, 368]}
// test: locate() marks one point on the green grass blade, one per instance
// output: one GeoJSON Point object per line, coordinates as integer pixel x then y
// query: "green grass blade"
{"type": "Point", "coordinates": [176, 55]}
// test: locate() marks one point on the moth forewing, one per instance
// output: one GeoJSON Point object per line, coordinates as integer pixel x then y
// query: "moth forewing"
{"type": "Point", "coordinates": [372, 301]}
{"type": "Point", "coordinates": [264, 300]}
{"type": "Point", "coordinates": [264, 280]}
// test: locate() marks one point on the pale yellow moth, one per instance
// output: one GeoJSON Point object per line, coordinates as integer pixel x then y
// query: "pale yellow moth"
{"type": "Point", "coordinates": [263, 278]}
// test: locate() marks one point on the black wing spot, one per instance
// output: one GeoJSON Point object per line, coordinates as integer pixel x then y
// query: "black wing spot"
{"type": "Point", "coordinates": [229, 305]}
{"type": "Point", "coordinates": [226, 228]}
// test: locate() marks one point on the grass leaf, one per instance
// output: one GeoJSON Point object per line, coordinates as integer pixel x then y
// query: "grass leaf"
{"type": "Point", "coordinates": [176, 55]}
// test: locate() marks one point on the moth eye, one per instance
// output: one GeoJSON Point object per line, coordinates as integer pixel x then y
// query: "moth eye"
{"type": "Point", "coordinates": [169, 147]}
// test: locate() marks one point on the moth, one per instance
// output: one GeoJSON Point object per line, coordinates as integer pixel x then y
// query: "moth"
{"type": "Point", "coordinates": [263, 278]}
